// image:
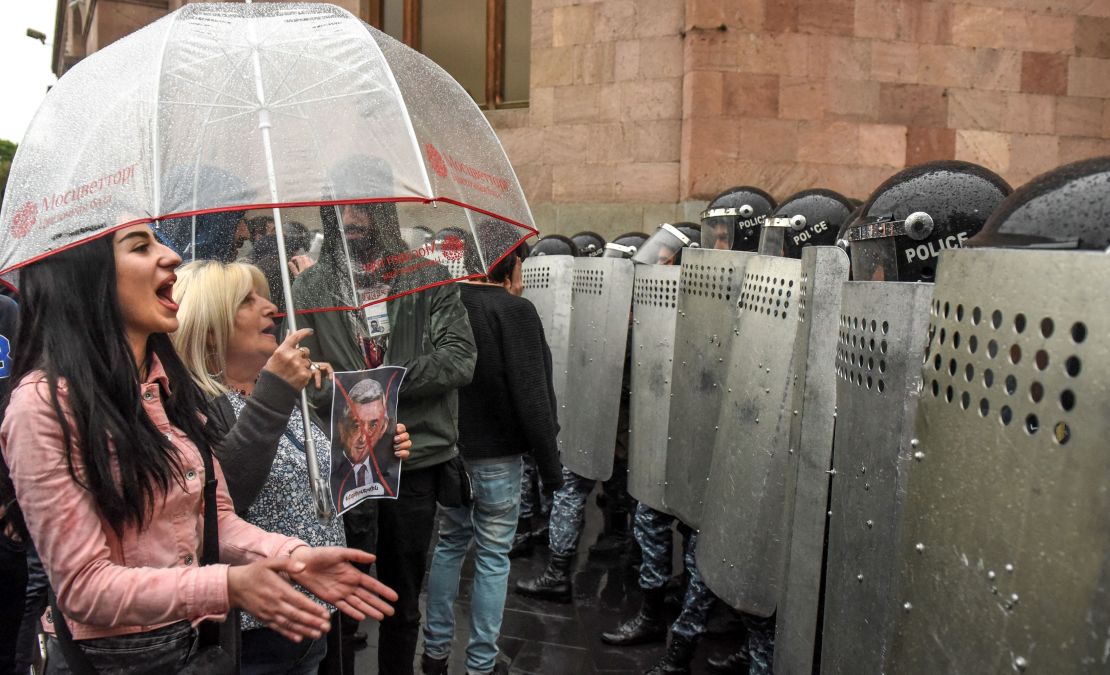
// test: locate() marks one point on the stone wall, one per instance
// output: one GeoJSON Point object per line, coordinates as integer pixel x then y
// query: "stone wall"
{"type": "Point", "coordinates": [642, 110]}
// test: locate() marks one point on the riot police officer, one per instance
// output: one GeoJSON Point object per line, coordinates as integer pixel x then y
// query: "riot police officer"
{"type": "Point", "coordinates": [733, 219]}
{"type": "Point", "coordinates": [590, 244]}
{"type": "Point", "coordinates": [554, 244]}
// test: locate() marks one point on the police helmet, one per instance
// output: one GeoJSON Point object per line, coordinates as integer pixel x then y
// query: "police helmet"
{"type": "Point", "coordinates": [734, 217]}
{"type": "Point", "coordinates": [625, 246]}
{"type": "Point", "coordinates": [665, 245]}
{"type": "Point", "coordinates": [554, 244]}
{"type": "Point", "coordinates": [1068, 207]}
{"type": "Point", "coordinates": [808, 218]}
{"type": "Point", "coordinates": [917, 213]}
{"type": "Point", "coordinates": [590, 244]}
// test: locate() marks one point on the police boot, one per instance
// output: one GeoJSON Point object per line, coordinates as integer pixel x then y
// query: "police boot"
{"type": "Point", "coordinates": [737, 662]}
{"type": "Point", "coordinates": [647, 626]}
{"type": "Point", "coordinates": [522, 540]}
{"type": "Point", "coordinates": [614, 539]}
{"type": "Point", "coordinates": [553, 584]}
{"type": "Point", "coordinates": [677, 659]}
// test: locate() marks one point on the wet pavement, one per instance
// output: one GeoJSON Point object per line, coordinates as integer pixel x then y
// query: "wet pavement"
{"type": "Point", "coordinates": [547, 638]}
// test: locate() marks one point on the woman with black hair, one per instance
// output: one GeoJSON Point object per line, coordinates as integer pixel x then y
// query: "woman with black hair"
{"type": "Point", "coordinates": [106, 446]}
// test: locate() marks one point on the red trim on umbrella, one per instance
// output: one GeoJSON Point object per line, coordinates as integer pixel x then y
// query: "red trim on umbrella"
{"type": "Point", "coordinates": [251, 207]}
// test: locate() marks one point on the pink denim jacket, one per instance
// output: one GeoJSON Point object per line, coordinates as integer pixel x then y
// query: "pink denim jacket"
{"type": "Point", "coordinates": [108, 585]}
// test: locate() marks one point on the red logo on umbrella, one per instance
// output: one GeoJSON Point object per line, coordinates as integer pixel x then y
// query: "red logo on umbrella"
{"type": "Point", "coordinates": [436, 160]}
{"type": "Point", "coordinates": [23, 219]}
{"type": "Point", "coordinates": [453, 247]}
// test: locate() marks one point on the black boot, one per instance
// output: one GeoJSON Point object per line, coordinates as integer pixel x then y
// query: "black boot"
{"type": "Point", "coordinates": [737, 662]}
{"type": "Point", "coordinates": [615, 538]}
{"type": "Point", "coordinates": [677, 659]}
{"type": "Point", "coordinates": [522, 540]}
{"type": "Point", "coordinates": [647, 626]}
{"type": "Point", "coordinates": [553, 584]}
{"type": "Point", "coordinates": [432, 666]}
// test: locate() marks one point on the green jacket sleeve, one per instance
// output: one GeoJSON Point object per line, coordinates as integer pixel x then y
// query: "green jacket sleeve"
{"type": "Point", "coordinates": [449, 364]}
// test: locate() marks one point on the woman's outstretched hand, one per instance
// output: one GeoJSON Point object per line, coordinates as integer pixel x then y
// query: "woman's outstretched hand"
{"type": "Point", "coordinates": [401, 442]}
{"type": "Point", "coordinates": [260, 589]}
{"type": "Point", "coordinates": [329, 574]}
{"type": "Point", "coordinates": [292, 363]}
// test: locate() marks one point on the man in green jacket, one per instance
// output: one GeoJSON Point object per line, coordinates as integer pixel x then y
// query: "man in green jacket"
{"type": "Point", "coordinates": [431, 337]}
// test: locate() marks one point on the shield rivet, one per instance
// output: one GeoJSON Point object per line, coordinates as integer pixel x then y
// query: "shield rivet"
{"type": "Point", "coordinates": [920, 548]}
{"type": "Point", "coordinates": [1020, 663]}
{"type": "Point", "coordinates": [991, 575]}
{"type": "Point", "coordinates": [907, 606]}
{"type": "Point", "coordinates": [859, 578]}
{"type": "Point", "coordinates": [914, 442]}
{"type": "Point", "coordinates": [870, 524]}
{"type": "Point", "coordinates": [795, 413]}
{"type": "Point", "coordinates": [1014, 598]}
{"type": "Point", "coordinates": [1009, 568]}
{"type": "Point", "coordinates": [919, 455]}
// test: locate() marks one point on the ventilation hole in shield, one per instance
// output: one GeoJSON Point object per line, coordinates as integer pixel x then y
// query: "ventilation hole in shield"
{"type": "Point", "coordinates": [1011, 384]}
{"type": "Point", "coordinates": [952, 367]}
{"type": "Point", "coordinates": [1078, 332]}
{"type": "Point", "coordinates": [948, 394]}
{"type": "Point", "coordinates": [1041, 359]}
{"type": "Point", "coordinates": [870, 364]}
{"type": "Point", "coordinates": [882, 347]}
{"type": "Point", "coordinates": [988, 378]}
{"type": "Point", "coordinates": [972, 344]}
{"type": "Point", "coordinates": [1019, 323]}
{"type": "Point", "coordinates": [992, 349]}
{"type": "Point", "coordinates": [946, 308]}
{"type": "Point", "coordinates": [959, 312]}
{"type": "Point", "coordinates": [984, 407]}
{"type": "Point", "coordinates": [882, 386]}
{"type": "Point", "coordinates": [1072, 366]}
{"type": "Point", "coordinates": [1047, 327]}
{"type": "Point", "coordinates": [882, 366]}
{"type": "Point", "coordinates": [942, 335]}
{"type": "Point", "coordinates": [965, 400]}
{"type": "Point", "coordinates": [976, 316]}
{"type": "Point", "coordinates": [874, 326]}
{"type": "Point", "coordinates": [1015, 354]}
{"type": "Point", "coordinates": [868, 381]}
{"type": "Point", "coordinates": [969, 372]}
{"type": "Point", "coordinates": [936, 362]}
{"type": "Point", "coordinates": [1062, 433]}
{"type": "Point", "coordinates": [871, 344]}
{"type": "Point", "coordinates": [1032, 424]}
{"type": "Point", "coordinates": [1036, 392]}
{"type": "Point", "coordinates": [1005, 415]}
{"type": "Point", "coordinates": [1067, 400]}
{"type": "Point", "coordinates": [996, 319]}
{"type": "Point", "coordinates": [936, 389]}
{"type": "Point", "coordinates": [956, 339]}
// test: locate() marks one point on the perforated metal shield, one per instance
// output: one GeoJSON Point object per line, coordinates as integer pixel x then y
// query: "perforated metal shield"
{"type": "Point", "coordinates": [740, 548]}
{"type": "Point", "coordinates": [654, 308]}
{"type": "Point", "coordinates": [600, 321]}
{"type": "Point", "coordinates": [547, 283]}
{"type": "Point", "coordinates": [881, 336]}
{"type": "Point", "coordinates": [704, 329]}
{"type": "Point", "coordinates": [809, 454]}
{"type": "Point", "coordinates": [1006, 540]}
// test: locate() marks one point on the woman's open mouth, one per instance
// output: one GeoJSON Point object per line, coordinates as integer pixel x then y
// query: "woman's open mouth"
{"type": "Point", "coordinates": [165, 293]}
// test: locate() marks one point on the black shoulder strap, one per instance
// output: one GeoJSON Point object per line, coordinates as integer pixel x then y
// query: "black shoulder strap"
{"type": "Point", "coordinates": [209, 632]}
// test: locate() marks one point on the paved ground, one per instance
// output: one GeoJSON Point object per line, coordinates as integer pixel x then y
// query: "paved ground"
{"type": "Point", "coordinates": [555, 639]}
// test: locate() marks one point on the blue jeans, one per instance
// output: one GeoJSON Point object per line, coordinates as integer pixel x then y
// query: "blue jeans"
{"type": "Point", "coordinates": [268, 652]}
{"type": "Point", "coordinates": [490, 523]}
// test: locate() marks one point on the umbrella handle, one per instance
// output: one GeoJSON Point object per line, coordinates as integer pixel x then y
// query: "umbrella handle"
{"type": "Point", "coordinates": [321, 487]}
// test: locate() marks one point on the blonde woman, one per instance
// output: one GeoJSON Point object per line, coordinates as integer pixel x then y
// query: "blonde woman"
{"type": "Point", "coordinates": [227, 340]}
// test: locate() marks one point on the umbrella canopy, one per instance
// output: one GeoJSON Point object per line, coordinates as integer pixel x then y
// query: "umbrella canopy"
{"type": "Point", "coordinates": [223, 108]}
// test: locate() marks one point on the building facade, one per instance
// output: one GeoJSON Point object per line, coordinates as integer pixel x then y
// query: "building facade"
{"type": "Point", "coordinates": [622, 114]}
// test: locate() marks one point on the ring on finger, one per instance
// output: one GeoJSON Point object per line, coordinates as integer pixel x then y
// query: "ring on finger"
{"type": "Point", "coordinates": [303, 351]}
{"type": "Point", "coordinates": [313, 367]}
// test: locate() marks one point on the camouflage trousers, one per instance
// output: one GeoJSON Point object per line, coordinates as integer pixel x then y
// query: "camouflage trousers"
{"type": "Point", "coordinates": [533, 502]}
{"type": "Point", "coordinates": [652, 530]}
{"type": "Point", "coordinates": [568, 512]}
{"type": "Point", "coordinates": [761, 643]}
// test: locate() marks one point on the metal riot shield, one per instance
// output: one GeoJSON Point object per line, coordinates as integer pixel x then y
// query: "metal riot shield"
{"type": "Point", "coordinates": [654, 308]}
{"type": "Point", "coordinates": [1006, 532]}
{"type": "Point", "coordinates": [881, 337]}
{"type": "Point", "coordinates": [741, 550]}
{"type": "Point", "coordinates": [600, 322]}
{"type": "Point", "coordinates": [809, 454]}
{"type": "Point", "coordinates": [704, 330]}
{"type": "Point", "coordinates": [547, 283]}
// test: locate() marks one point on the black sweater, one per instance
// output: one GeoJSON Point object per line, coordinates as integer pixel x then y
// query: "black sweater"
{"type": "Point", "coordinates": [509, 408]}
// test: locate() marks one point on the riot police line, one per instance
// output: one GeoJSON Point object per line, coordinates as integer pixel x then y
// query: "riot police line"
{"type": "Point", "coordinates": [882, 422]}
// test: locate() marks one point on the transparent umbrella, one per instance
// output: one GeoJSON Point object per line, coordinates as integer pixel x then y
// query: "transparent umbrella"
{"type": "Point", "coordinates": [220, 109]}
